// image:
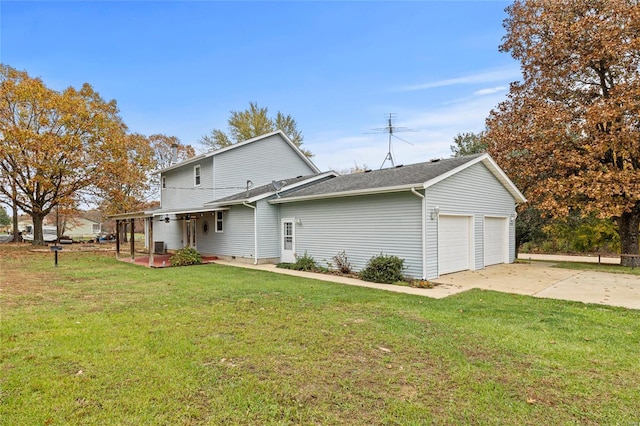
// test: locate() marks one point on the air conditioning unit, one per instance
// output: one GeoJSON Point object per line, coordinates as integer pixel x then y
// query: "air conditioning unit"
{"type": "Point", "coordinates": [158, 247]}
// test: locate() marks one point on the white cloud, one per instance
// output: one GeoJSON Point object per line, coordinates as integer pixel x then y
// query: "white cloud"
{"type": "Point", "coordinates": [490, 90]}
{"type": "Point", "coordinates": [437, 127]}
{"type": "Point", "coordinates": [500, 74]}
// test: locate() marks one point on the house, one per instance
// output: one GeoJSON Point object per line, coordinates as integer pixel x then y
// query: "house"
{"type": "Point", "coordinates": [263, 201]}
{"type": "Point", "coordinates": [82, 228]}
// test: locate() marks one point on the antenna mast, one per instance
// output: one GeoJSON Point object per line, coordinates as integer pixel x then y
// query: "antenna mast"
{"type": "Point", "coordinates": [391, 129]}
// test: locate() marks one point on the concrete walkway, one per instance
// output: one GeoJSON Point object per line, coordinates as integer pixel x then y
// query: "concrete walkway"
{"type": "Point", "coordinates": [538, 279]}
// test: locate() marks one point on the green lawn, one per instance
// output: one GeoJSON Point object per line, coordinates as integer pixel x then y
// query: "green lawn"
{"type": "Point", "coordinates": [100, 342]}
{"type": "Point", "coordinates": [583, 266]}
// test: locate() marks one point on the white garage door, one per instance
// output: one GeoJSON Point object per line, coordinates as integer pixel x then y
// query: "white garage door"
{"type": "Point", "coordinates": [454, 244]}
{"type": "Point", "coordinates": [495, 240]}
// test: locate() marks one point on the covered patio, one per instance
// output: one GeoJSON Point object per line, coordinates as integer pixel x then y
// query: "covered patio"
{"type": "Point", "coordinates": [160, 260]}
{"type": "Point", "coordinates": [153, 259]}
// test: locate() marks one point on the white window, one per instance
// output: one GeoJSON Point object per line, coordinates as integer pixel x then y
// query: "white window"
{"type": "Point", "coordinates": [95, 228]}
{"type": "Point", "coordinates": [219, 227]}
{"type": "Point", "coordinates": [164, 182]}
{"type": "Point", "coordinates": [196, 175]}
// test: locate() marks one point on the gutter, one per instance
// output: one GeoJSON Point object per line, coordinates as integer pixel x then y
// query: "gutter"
{"type": "Point", "coordinates": [354, 192]}
{"type": "Point", "coordinates": [255, 231]}
{"type": "Point", "coordinates": [423, 203]}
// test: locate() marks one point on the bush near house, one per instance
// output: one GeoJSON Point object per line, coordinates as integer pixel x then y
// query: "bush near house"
{"type": "Point", "coordinates": [342, 263]}
{"type": "Point", "coordinates": [186, 256]}
{"type": "Point", "coordinates": [303, 263]}
{"type": "Point", "coordinates": [384, 269]}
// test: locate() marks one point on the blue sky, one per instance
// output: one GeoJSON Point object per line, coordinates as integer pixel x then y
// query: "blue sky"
{"type": "Point", "coordinates": [338, 68]}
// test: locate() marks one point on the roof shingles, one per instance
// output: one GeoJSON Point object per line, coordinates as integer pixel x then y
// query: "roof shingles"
{"type": "Point", "coordinates": [412, 174]}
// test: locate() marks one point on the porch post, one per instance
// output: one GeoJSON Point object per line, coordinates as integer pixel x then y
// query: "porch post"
{"type": "Point", "coordinates": [117, 239]}
{"type": "Point", "coordinates": [133, 249]}
{"type": "Point", "coordinates": [151, 248]}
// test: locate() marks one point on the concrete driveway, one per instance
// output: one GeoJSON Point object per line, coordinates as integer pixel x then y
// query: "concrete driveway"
{"type": "Point", "coordinates": [540, 279]}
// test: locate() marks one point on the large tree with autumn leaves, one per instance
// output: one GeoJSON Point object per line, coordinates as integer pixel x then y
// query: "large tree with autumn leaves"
{"type": "Point", "coordinates": [569, 133]}
{"type": "Point", "coordinates": [56, 146]}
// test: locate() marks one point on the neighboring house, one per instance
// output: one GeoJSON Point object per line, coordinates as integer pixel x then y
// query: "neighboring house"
{"type": "Point", "coordinates": [80, 228]}
{"type": "Point", "coordinates": [263, 201]}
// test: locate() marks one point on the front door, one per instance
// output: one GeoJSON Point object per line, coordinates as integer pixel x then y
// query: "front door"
{"type": "Point", "coordinates": [288, 254]}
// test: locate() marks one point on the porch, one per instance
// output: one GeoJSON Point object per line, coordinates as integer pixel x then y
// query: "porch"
{"type": "Point", "coordinates": [159, 260]}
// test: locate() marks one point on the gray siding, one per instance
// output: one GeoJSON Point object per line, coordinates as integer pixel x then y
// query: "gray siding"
{"type": "Point", "coordinates": [472, 191]}
{"type": "Point", "coordinates": [236, 239]}
{"type": "Point", "coordinates": [362, 226]}
{"type": "Point", "coordinates": [170, 233]}
{"type": "Point", "coordinates": [181, 191]}
{"type": "Point", "coordinates": [260, 162]}
{"type": "Point", "coordinates": [268, 230]}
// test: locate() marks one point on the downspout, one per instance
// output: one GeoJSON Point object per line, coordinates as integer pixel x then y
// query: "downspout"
{"type": "Point", "coordinates": [255, 231]}
{"type": "Point", "coordinates": [424, 232]}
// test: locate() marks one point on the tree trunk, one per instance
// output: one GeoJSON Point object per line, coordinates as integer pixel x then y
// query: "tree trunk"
{"type": "Point", "coordinates": [14, 207]}
{"type": "Point", "coordinates": [629, 229]}
{"type": "Point", "coordinates": [38, 239]}
{"type": "Point", "coordinates": [16, 231]}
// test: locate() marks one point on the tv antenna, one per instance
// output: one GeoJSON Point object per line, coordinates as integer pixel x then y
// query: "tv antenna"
{"type": "Point", "coordinates": [391, 130]}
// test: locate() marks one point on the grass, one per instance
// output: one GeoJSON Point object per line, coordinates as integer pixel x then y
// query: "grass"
{"type": "Point", "coordinates": [583, 266]}
{"type": "Point", "coordinates": [99, 342]}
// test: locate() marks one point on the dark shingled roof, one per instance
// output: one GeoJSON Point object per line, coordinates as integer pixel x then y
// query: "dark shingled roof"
{"type": "Point", "coordinates": [260, 190]}
{"type": "Point", "coordinates": [398, 176]}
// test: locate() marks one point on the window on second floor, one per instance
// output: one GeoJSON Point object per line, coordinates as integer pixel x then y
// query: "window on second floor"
{"type": "Point", "coordinates": [196, 175]}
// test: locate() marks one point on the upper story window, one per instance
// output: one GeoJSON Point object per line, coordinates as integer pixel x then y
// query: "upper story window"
{"type": "Point", "coordinates": [164, 182]}
{"type": "Point", "coordinates": [196, 175]}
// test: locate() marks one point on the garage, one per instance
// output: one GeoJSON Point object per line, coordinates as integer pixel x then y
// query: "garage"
{"type": "Point", "coordinates": [495, 240]}
{"type": "Point", "coordinates": [454, 244]}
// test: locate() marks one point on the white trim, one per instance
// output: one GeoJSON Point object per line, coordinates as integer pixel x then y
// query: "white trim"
{"type": "Point", "coordinates": [197, 175]}
{"type": "Point", "coordinates": [505, 253]}
{"type": "Point", "coordinates": [255, 232]}
{"type": "Point", "coordinates": [471, 236]}
{"type": "Point", "coordinates": [215, 222]}
{"type": "Point", "coordinates": [423, 204]}
{"type": "Point", "coordinates": [185, 211]}
{"type": "Point", "coordinates": [485, 159]}
{"type": "Point", "coordinates": [271, 193]}
{"type": "Point", "coordinates": [238, 145]}
{"type": "Point", "coordinates": [293, 239]}
{"type": "Point", "coordinates": [493, 168]}
{"type": "Point", "coordinates": [354, 192]}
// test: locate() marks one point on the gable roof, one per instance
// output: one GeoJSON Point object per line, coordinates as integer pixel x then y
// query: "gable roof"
{"type": "Point", "coordinates": [260, 192]}
{"type": "Point", "coordinates": [400, 178]}
{"type": "Point", "coordinates": [238, 145]}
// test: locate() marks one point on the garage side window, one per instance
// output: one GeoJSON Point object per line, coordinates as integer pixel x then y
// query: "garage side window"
{"type": "Point", "coordinates": [219, 224]}
{"type": "Point", "coordinates": [164, 182]}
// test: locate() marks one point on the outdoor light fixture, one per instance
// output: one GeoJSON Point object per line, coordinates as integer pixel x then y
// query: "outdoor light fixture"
{"type": "Point", "coordinates": [435, 212]}
{"type": "Point", "coordinates": [166, 219]}
{"type": "Point", "coordinates": [298, 221]}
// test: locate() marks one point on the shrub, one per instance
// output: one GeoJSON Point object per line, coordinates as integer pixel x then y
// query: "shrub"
{"type": "Point", "coordinates": [186, 256]}
{"type": "Point", "coordinates": [383, 269]}
{"type": "Point", "coordinates": [342, 262]}
{"type": "Point", "coordinates": [303, 263]}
